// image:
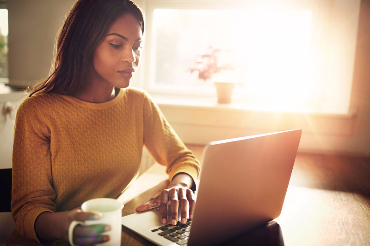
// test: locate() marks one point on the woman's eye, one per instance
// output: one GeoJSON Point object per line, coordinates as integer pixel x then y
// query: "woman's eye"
{"type": "Point", "coordinates": [137, 48]}
{"type": "Point", "coordinates": [116, 46]}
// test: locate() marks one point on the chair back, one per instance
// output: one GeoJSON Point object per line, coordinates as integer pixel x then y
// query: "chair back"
{"type": "Point", "coordinates": [7, 224]}
{"type": "Point", "coordinates": [5, 189]}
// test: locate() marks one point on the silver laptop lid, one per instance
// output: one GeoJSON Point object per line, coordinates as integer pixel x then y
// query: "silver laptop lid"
{"type": "Point", "coordinates": [243, 183]}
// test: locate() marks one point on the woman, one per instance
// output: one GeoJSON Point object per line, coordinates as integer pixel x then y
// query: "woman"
{"type": "Point", "coordinates": [80, 133]}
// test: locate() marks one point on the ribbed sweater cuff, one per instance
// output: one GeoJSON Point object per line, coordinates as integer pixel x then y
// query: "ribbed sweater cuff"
{"type": "Point", "coordinates": [192, 171]}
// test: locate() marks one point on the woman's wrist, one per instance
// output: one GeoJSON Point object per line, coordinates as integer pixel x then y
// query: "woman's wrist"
{"type": "Point", "coordinates": [183, 180]}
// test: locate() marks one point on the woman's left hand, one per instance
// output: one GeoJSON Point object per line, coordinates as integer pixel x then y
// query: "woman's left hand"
{"type": "Point", "coordinates": [177, 194]}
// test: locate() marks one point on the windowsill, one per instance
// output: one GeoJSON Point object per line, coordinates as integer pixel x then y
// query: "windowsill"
{"type": "Point", "coordinates": [9, 93]}
{"type": "Point", "coordinates": [6, 88]}
{"type": "Point", "coordinates": [199, 120]}
{"type": "Point", "coordinates": [210, 103]}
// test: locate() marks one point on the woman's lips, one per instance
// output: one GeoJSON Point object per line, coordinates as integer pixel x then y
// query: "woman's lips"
{"type": "Point", "coordinates": [127, 72]}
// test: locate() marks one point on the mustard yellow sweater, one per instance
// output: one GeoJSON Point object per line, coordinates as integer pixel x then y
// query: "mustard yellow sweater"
{"type": "Point", "coordinates": [67, 151]}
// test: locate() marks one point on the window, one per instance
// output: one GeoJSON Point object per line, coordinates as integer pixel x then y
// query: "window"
{"type": "Point", "coordinates": [279, 43]}
{"type": "Point", "coordinates": [3, 45]}
{"type": "Point", "coordinates": [294, 56]}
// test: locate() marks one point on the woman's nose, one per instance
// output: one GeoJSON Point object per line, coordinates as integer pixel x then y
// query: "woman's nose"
{"type": "Point", "coordinates": [129, 56]}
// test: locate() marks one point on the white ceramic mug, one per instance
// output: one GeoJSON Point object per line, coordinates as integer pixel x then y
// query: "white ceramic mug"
{"type": "Point", "coordinates": [111, 211]}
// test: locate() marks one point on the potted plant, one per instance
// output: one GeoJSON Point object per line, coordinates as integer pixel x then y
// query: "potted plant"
{"type": "Point", "coordinates": [217, 65]}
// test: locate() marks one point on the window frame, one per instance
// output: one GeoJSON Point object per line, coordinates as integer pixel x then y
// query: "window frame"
{"type": "Point", "coordinates": [323, 11]}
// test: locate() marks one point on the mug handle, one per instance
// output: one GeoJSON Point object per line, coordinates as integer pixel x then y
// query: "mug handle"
{"type": "Point", "coordinates": [70, 231]}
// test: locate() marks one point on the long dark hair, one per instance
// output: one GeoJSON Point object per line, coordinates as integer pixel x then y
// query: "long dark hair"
{"type": "Point", "coordinates": [86, 25]}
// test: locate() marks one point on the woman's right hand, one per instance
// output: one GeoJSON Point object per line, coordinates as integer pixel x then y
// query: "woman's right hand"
{"type": "Point", "coordinates": [51, 226]}
{"type": "Point", "coordinates": [86, 234]}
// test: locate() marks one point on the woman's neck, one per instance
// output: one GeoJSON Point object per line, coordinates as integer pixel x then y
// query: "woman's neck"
{"type": "Point", "coordinates": [97, 95]}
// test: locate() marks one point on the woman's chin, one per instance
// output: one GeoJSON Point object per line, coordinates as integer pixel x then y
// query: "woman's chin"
{"type": "Point", "coordinates": [122, 84]}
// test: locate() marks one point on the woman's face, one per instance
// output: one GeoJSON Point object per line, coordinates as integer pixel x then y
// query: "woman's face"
{"type": "Point", "coordinates": [117, 56]}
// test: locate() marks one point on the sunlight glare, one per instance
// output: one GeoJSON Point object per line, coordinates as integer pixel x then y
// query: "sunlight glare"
{"type": "Point", "coordinates": [271, 47]}
{"type": "Point", "coordinates": [277, 48]}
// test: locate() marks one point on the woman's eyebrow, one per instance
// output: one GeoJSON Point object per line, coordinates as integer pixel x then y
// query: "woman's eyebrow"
{"type": "Point", "coordinates": [119, 35]}
{"type": "Point", "coordinates": [123, 37]}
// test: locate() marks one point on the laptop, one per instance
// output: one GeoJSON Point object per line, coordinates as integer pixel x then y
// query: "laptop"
{"type": "Point", "coordinates": [242, 186]}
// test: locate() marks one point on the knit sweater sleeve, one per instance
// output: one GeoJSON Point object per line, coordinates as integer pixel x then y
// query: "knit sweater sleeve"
{"type": "Point", "coordinates": [32, 192]}
{"type": "Point", "coordinates": [164, 145]}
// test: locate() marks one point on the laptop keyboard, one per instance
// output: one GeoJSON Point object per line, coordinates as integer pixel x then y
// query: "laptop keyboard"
{"type": "Point", "coordinates": [178, 234]}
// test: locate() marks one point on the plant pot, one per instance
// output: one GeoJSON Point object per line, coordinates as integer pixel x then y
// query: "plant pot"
{"type": "Point", "coordinates": [224, 91]}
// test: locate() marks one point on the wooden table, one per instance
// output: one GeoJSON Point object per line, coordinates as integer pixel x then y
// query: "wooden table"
{"type": "Point", "coordinates": [327, 203]}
